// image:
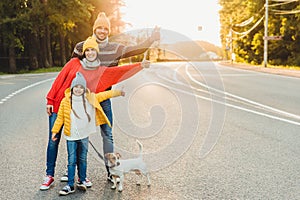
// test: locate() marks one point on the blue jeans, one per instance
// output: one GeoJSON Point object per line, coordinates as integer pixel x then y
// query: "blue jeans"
{"type": "Point", "coordinates": [106, 131]}
{"type": "Point", "coordinates": [77, 155]}
{"type": "Point", "coordinates": [52, 147]}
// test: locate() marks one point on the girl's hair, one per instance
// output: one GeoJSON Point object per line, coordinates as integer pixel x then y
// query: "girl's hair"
{"type": "Point", "coordinates": [84, 105]}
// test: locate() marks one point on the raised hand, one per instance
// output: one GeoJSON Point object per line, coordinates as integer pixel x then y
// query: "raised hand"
{"type": "Point", "coordinates": [155, 36]}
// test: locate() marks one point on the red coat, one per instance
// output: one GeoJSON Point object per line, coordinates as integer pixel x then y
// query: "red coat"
{"type": "Point", "coordinates": [97, 80]}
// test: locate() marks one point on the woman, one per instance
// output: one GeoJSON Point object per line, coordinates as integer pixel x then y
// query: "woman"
{"type": "Point", "coordinates": [80, 113]}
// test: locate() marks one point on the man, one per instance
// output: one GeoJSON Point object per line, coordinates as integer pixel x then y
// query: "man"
{"type": "Point", "coordinates": [110, 54]}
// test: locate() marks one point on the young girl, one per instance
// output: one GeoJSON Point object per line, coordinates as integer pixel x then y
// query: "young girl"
{"type": "Point", "coordinates": [81, 114]}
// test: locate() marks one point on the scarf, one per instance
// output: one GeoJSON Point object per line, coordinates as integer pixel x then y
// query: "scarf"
{"type": "Point", "coordinates": [102, 43]}
{"type": "Point", "coordinates": [90, 65]}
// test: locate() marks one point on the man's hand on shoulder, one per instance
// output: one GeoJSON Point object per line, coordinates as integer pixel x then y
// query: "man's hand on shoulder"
{"type": "Point", "coordinates": [146, 63]}
{"type": "Point", "coordinates": [155, 36]}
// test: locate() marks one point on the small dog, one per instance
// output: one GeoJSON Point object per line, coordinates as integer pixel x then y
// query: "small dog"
{"type": "Point", "coordinates": [119, 167]}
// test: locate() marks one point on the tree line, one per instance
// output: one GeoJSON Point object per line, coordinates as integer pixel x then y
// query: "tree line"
{"type": "Point", "coordinates": [243, 30]}
{"type": "Point", "coordinates": [41, 33]}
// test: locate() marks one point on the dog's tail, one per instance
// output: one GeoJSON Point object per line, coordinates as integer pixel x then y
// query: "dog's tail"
{"type": "Point", "coordinates": [141, 147]}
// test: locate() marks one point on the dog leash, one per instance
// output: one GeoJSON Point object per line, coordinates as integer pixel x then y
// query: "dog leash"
{"type": "Point", "coordinates": [99, 154]}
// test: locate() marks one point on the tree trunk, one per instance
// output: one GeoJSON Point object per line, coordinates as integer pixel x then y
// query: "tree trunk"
{"type": "Point", "coordinates": [43, 52]}
{"type": "Point", "coordinates": [12, 59]}
{"type": "Point", "coordinates": [38, 46]}
{"type": "Point", "coordinates": [48, 42]}
{"type": "Point", "coordinates": [68, 51]}
{"type": "Point", "coordinates": [33, 51]}
{"type": "Point", "coordinates": [62, 50]}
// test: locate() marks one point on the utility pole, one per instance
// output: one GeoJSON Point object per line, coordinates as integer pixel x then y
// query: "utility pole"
{"type": "Point", "coordinates": [231, 44]}
{"type": "Point", "coordinates": [266, 35]}
{"type": "Point", "coordinates": [230, 35]}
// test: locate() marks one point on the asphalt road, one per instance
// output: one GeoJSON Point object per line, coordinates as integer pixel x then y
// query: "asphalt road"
{"type": "Point", "coordinates": [208, 131]}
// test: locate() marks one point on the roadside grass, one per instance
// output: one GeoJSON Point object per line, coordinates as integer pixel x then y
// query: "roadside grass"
{"type": "Point", "coordinates": [58, 69]}
{"type": "Point", "coordinates": [41, 70]}
{"type": "Point", "coordinates": [269, 66]}
{"type": "Point", "coordinates": [273, 66]}
{"type": "Point", "coordinates": [284, 67]}
{"type": "Point", "coordinates": [36, 71]}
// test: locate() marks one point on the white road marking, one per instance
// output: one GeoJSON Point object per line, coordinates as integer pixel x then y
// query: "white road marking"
{"type": "Point", "coordinates": [249, 101]}
{"type": "Point", "coordinates": [212, 135]}
{"type": "Point", "coordinates": [173, 79]}
{"type": "Point", "coordinates": [22, 89]}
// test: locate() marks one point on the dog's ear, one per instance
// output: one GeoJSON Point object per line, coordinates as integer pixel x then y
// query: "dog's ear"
{"type": "Point", "coordinates": [118, 155]}
{"type": "Point", "coordinates": [107, 155]}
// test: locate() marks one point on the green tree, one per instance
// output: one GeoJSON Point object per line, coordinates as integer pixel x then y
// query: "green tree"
{"type": "Point", "coordinates": [12, 19]}
{"type": "Point", "coordinates": [42, 33]}
{"type": "Point", "coordinates": [245, 20]}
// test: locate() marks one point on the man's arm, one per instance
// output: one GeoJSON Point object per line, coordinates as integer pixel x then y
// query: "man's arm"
{"type": "Point", "coordinates": [77, 52]}
{"type": "Point", "coordinates": [129, 51]}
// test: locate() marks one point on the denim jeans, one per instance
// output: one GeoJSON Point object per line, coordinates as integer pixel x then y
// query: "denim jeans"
{"type": "Point", "coordinates": [52, 147]}
{"type": "Point", "coordinates": [77, 155]}
{"type": "Point", "coordinates": [106, 131]}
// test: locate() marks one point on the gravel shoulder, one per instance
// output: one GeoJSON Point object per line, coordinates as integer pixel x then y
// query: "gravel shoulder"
{"type": "Point", "coordinates": [278, 71]}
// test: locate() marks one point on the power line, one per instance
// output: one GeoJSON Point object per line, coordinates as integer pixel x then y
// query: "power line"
{"type": "Point", "coordinates": [248, 31]}
{"type": "Point", "coordinates": [285, 12]}
{"type": "Point", "coordinates": [266, 34]}
{"type": "Point", "coordinates": [282, 3]}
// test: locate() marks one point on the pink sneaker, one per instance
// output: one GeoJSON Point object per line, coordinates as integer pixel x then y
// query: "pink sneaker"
{"type": "Point", "coordinates": [48, 181]}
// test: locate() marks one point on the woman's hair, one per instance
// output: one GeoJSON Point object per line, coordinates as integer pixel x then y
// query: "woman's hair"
{"type": "Point", "coordinates": [81, 56]}
{"type": "Point", "coordinates": [84, 105]}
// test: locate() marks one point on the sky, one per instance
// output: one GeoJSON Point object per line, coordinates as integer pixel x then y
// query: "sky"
{"type": "Point", "coordinates": [183, 17]}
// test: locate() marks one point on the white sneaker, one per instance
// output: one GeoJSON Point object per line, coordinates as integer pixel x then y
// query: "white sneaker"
{"type": "Point", "coordinates": [87, 182]}
{"type": "Point", "coordinates": [64, 178]}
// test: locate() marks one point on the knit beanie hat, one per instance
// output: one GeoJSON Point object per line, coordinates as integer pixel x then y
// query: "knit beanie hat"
{"type": "Point", "coordinates": [90, 42]}
{"type": "Point", "coordinates": [78, 80]}
{"type": "Point", "coordinates": [103, 21]}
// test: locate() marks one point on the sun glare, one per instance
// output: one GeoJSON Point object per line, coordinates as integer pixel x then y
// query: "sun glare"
{"type": "Point", "coordinates": [195, 19]}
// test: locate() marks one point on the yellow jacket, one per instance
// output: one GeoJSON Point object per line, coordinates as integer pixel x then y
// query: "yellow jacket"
{"type": "Point", "coordinates": [64, 112]}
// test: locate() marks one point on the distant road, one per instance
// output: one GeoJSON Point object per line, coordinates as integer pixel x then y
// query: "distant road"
{"type": "Point", "coordinates": [208, 131]}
